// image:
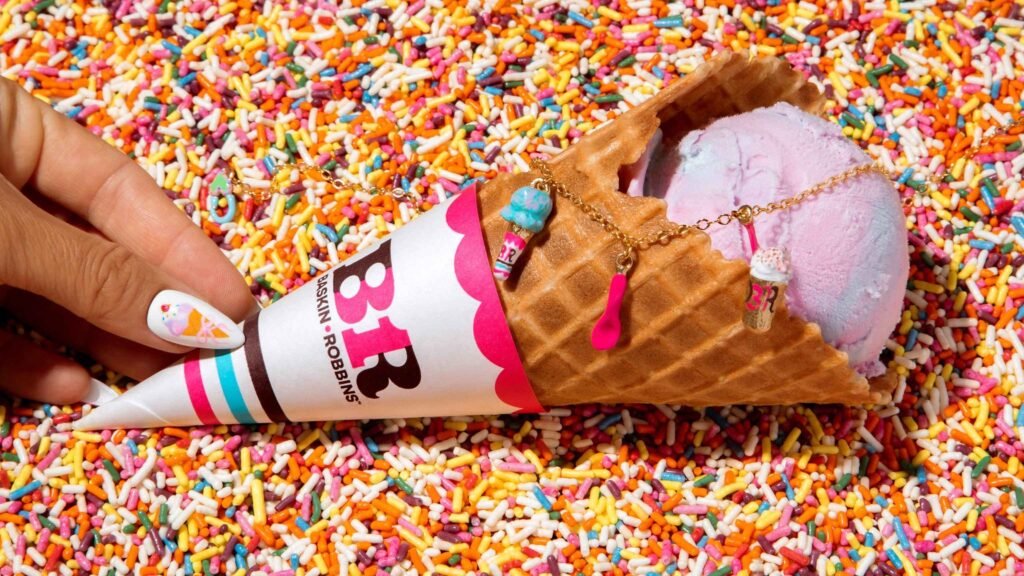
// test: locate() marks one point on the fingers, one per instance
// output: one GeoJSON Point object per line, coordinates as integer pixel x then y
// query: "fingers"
{"type": "Point", "coordinates": [31, 372]}
{"type": "Point", "coordinates": [64, 162]}
{"type": "Point", "coordinates": [100, 281]}
{"type": "Point", "coordinates": [123, 356]}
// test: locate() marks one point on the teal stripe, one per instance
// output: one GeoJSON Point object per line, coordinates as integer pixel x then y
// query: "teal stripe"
{"type": "Point", "coordinates": [229, 384]}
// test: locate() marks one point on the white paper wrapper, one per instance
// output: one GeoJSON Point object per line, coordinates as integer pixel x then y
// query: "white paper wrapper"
{"type": "Point", "coordinates": [411, 327]}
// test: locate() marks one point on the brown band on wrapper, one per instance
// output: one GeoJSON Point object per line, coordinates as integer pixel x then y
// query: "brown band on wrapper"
{"type": "Point", "coordinates": [258, 371]}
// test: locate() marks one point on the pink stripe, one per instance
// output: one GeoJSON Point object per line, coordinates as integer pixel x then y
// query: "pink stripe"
{"type": "Point", "coordinates": [197, 392]}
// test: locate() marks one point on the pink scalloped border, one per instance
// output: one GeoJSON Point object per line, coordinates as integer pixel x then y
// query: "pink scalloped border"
{"type": "Point", "coordinates": [491, 332]}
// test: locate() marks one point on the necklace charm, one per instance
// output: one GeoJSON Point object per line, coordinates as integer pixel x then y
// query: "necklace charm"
{"type": "Point", "coordinates": [526, 214]}
{"type": "Point", "coordinates": [769, 274]}
{"type": "Point", "coordinates": [609, 326]}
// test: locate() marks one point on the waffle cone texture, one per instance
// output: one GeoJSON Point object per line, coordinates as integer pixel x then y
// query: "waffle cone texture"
{"type": "Point", "coordinates": [683, 338]}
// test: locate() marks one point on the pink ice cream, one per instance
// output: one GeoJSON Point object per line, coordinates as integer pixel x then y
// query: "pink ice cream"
{"type": "Point", "coordinates": [847, 246]}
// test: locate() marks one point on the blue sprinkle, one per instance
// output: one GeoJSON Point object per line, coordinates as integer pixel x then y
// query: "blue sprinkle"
{"type": "Point", "coordinates": [348, 118]}
{"type": "Point", "coordinates": [943, 90]}
{"type": "Point", "coordinates": [1018, 223]}
{"type": "Point", "coordinates": [905, 176]}
{"type": "Point", "coordinates": [657, 71]}
{"type": "Point", "coordinates": [377, 162]}
{"type": "Point", "coordinates": [987, 197]}
{"type": "Point", "coordinates": [358, 73]}
{"type": "Point", "coordinates": [174, 49]}
{"type": "Point", "coordinates": [894, 558]}
{"type": "Point", "coordinates": [671, 568]}
{"type": "Point", "coordinates": [669, 22]}
{"type": "Point", "coordinates": [911, 340]}
{"type": "Point", "coordinates": [240, 549]}
{"type": "Point", "coordinates": [192, 31]}
{"type": "Point", "coordinates": [328, 72]}
{"type": "Point", "coordinates": [673, 477]}
{"type": "Point", "coordinates": [187, 78]}
{"type": "Point", "coordinates": [268, 163]}
{"type": "Point", "coordinates": [188, 565]}
{"type": "Point", "coordinates": [789, 487]}
{"type": "Point", "coordinates": [493, 91]}
{"type": "Point", "coordinates": [477, 145]}
{"type": "Point", "coordinates": [485, 74]}
{"type": "Point", "coordinates": [703, 541]}
{"type": "Point", "coordinates": [240, 562]}
{"type": "Point", "coordinates": [901, 534]}
{"type": "Point", "coordinates": [547, 101]}
{"type": "Point", "coordinates": [609, 420]}
{"type": "Point", "coordinates": [591, 89]}
{"type": "Point", "coordinates": [152, 106]}
{"type": "Point", "coordinates": [853, 554]}
{"type": "Point", "coordinates": [881, 502]}
{"type": "Point", "coordinates": [261, 33]}
{"type": "Point", "coordinates": [298, 103]}
{"type": "Point", "coordinates": [580, 19]}
{"type": "Point", "coordinates": [912, 91]}
{"type": "Point", "coordinates": [813, 40]}
{"type": "Point", "coordinates": [537, 34]}
{"type": "Point", "coordinates": [295, 561]}
{"type": "Point", "coordinates": [856, 112]}
{"type": "Point", "coordinates": [996, 86]}
{"type": "Point", "coordinates": [616, 556]}
{"type": "Point", "coordinates": [302, 524]}
{"type": "Point", "coordinates": [981, 244]}
{"type": "Point", "coordinates": [24, 490]}
{"type": "Point", "coordinates": [230, 512]}
{"type": "Point", "coordinates": [975, 543]}
{"type": "Point", "coordinates": [371, 445]}
{"type": "Point", "coordinates": [869, 539]}
{"type": "Point", "coordinates": [73, 112]}
{"type": "Point", "coordinates": [329, 232]}
{"type": "Point", "coordinates": [542, 498]}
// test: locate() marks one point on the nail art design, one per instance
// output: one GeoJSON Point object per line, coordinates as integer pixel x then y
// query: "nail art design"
{"type": "Point", "coordinates": [184, 319]}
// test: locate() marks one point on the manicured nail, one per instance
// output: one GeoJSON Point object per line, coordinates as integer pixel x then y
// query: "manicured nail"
{"type": "Point", "coordinates": [184, 319]}
{"type": "Point", "coordinates": [99, 393]}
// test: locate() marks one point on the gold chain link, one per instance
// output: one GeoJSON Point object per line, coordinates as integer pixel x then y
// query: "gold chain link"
{"type": "Point", "coordinates": [744, 214]}
{"type": "Point", "coordinates": [260, 195]}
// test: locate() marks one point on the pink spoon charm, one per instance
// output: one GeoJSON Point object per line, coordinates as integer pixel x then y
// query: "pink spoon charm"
{"type": "Point", "coordinates": [609, 326]}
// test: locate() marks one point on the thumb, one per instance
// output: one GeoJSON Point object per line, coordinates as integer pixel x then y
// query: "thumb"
{"type": "Point", "coordinates": [102, 282]}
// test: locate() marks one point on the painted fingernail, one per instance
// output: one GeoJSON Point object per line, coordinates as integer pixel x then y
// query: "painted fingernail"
{"type": "Point", "coordinates": [184, 319]}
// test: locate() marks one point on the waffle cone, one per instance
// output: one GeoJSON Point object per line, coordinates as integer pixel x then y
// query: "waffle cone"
{"type": "Point", "coordinates": [683, 338]}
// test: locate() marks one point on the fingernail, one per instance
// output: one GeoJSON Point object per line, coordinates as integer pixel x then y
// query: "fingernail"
{"type": "Point", "coordinates": [184, 319]}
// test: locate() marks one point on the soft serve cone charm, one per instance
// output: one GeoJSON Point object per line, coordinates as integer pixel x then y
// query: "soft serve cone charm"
{"type": "Point", "coordinates": [526, 214]}
{"type": "Point", "coordinates": [769, 275]}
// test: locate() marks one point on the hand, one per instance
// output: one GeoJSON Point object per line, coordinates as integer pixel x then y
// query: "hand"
{"type": "Point", "coordinates": [89, 247]}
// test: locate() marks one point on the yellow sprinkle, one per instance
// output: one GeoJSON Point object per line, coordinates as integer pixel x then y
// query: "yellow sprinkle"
{"type": "Point", "coordinates": [609, 13]}
{"type": "Point", "coordinates": [928, 287]}
{"type": "Point", "coordinates": [412, 539]}
{"type": "Point", "coordinates": [729, 489]}
{"type": "Point", "coordinates": [258, 504]}
{"type": "Point", "coordinates": [461, 460]}
{"type": "Point", "coordinates": [787, 445]}
{"type": "Point", "coordinates": [767, 519]}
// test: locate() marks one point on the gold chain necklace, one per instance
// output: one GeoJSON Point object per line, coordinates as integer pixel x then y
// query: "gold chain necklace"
{"type": "Point", "coordinates": [762, 294]}
{"type": "Point", "coordinates": [261, 195]}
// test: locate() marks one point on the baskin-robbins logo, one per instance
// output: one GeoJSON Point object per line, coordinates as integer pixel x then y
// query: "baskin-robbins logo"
{"type": "Point", "coordinates": [363, 291]}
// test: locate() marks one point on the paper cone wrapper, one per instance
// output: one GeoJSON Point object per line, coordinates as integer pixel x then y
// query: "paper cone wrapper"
{"type": "Point", "coordinates": [416, 326]}
{"type": "Point", "coordinates": [410, 327]}
{"type": "Point", "coordinates": [683, 337]}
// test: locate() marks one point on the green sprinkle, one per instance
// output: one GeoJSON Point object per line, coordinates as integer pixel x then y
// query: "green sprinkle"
{"type": "Point", "coordinates": [403, 485]}
{"type": "Point", "coordinates": [314, 517]}
{"type": "Point", "coordinates": [872, 79]}
{"type": "Point", "coordinates": [514, 84]}
{"type": "Point", "coordinates": [43, 5]}
{"type": "Point", "coordinates": [114, 474]}
{"type": "Point", "coordinates": [608, 98]}
{"type": "Point", "coordinates": [454, 559]}
{"type": "Point", "coordinates": [112, 572]}
{"type": "Point", "coordinates": [723, 571]}
{"type": "Point", "coordinates": [343, 230]}
{"type": "Point", "coordinates": [130, 528]}
{"type": "Point", "coordinates": [979, 468]}
{"type": "Point", "coordinates": [206, 567]}
{"type": "Point", "coordinates": [258, 474]}
{"type": "Point", "coordinates": [703, 481]}
{"type": "Point", "coordinates": [163, 514]}
{"type": "Point", "coordinates": [882, 70]}
{"type": "Point", "coordinates": [1018, 495]}
{"type": "Point", "coordinates": [988, 185]}
{"type": "Point", "coordinates": [969, 214]}
{"type": "Point", "coordinates": [144, 518]}
{"type": "Point", "coordinates": [964, 230]}
{"type": "Point", "coordinates": [1006, 248]}
{"type": "Point", "coordinates": [1015, 145]}
{"type": "Point", "coordinates": [627, 61]}
{"type": "Point", "coordinates": [853, 120]}
{"type": "Point", "coordinates": [713, 519]}
{"type": "Point", "coordinates": [331, 165]}
{"type": "Point", "coordinates": [290, 48]}
{"type": "Point", "coordinates": [844, 481]}
{"type": "Point", "coordinates": [295, 68]}
{"type": "Point", "coordinates": [897, 61]}
{"type": "Point", "coordinates": [292, 201]}
{"type": "Point", "coordinates": [555, 515]}
{"type": "Point", "coordinates": [164, 5]}
{"type": "Point", "coordinates": [420, 171]}
{"type": "Point", "coordinates": [46, 523]}
{"type": "Point", "coordinates": [10, 457]}
{"type": "Point", "coordinates": [290, 142]}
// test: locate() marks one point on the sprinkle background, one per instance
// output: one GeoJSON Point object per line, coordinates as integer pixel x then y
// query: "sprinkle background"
{"type": "Point", "coordinates": [429, 95]}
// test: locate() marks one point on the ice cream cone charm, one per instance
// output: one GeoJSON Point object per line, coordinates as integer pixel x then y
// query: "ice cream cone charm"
{"type": "Point", "coordinates": [526, 214]}
{"type": "Point", "coordinates": [769, 275]}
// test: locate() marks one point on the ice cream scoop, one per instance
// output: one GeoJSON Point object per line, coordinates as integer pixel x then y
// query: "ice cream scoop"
{"type": "Point", "coordinates": [847, 245]}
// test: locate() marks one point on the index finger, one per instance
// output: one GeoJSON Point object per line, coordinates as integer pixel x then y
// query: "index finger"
{"type": "Point", "coordinates": [64, 162]}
